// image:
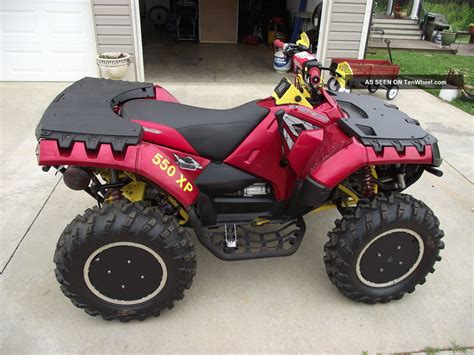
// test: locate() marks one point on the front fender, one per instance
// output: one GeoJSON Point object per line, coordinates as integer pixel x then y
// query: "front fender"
{"type": "Point", "coordinates": [145, 159]}
{"type": "Point", "coordinates": [337, 167]}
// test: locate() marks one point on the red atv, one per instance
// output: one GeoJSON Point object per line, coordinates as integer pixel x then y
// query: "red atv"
{"type": "Point", "coordinates": [242, 179]}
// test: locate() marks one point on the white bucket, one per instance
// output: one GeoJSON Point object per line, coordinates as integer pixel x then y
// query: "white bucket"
{"type": "Point", "coordinates": [281, 63]}
{"type": "Point", "coordinates": [449, 93]}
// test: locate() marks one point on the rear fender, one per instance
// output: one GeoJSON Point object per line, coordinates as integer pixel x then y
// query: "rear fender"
{"type": "Point", "coordinates": [161, 168]}
{"type": "Point", "coordinates": [331, 171]}
{"type": "Point", "coordinates": [147, 160]}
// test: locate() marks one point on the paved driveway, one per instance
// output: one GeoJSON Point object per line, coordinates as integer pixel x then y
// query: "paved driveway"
{"type": "Point", "coordinates": [285, 304]}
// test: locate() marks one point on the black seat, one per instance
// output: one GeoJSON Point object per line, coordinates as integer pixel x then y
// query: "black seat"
{"type": "Point", "coordinates": [214, 134]}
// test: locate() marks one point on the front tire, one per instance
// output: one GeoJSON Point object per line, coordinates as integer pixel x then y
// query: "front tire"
{"type": "Point", "coordinates": [124, 261]}
{"type": "Point", "coordinates": [383, 249]}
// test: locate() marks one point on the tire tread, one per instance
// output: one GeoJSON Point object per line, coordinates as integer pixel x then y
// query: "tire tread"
{"type": "Point", "coordinates": [341, 238]}
{"type": "Point", "coordinates": [173, 238]}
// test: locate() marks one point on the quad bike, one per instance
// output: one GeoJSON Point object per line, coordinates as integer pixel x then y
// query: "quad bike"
{"type": "Point", "coordinates": [242, 179]}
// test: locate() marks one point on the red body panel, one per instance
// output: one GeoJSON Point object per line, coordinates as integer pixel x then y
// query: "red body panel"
{"type": "Point", "coordinates": [166, 136]}
{"type": "Point", "coordinates": [192, 174]}
{"type": "Point", "coordinates": [300, 58]}
{"type": "Point", "coordinates": [324, 153]}
{"type": "Point", "coordinates": [137, 159]}
{"type": "Point", "coordinates": [327, 154]}
{"type": "Point", "coordinates": [353, 156]}
{"type": "Point", "coordinates": [49, 154]}
{"type": "Point", "coordinates": [179, 184]}
{"type": "Point", "coordinates": [260, 154]}
{"type": "Point", "coordinates": [304, 150]}
{"type": "Point", "coordinates": [163, 95]}
{"type": "Point", "coordinates": [331, 108]}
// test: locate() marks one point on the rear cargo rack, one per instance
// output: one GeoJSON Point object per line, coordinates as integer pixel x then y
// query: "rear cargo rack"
{"type": "Point", "coordinates": [84, 112]}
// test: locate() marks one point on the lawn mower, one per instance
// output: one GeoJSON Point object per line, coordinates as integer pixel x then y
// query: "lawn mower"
{"type": "Point", "coordinates": [242, 179]}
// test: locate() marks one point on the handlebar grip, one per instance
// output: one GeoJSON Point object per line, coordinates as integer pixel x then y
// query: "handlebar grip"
{"type": "Point", "coordinates": [315, 75]}
{"type": "Point", "coordinates": [279, 44]}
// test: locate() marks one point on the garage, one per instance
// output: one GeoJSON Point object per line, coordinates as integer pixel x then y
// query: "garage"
{"type": "Point", "coordinates": [215, 41]}
{"type": "Point", "coordinates": [223, 41]}
{"type": "Point", "coordinates": [169, 40]}
{"type": "Point", "coordinates": [47, 40]}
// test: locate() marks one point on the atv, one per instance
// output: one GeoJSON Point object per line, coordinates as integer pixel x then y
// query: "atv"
{"type": "Point", "coordinates": [243, 179]}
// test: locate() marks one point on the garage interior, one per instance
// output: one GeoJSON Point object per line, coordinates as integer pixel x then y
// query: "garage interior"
{"type": "Point", "coordinates": [223, 41]}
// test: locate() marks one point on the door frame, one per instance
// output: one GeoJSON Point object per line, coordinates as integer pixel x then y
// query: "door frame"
{"type": "Point", "coordinates": [137, 39]}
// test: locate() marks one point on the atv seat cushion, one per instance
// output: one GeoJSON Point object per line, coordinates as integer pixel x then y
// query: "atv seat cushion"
{"type": "Point", "coordinates": [214, 134]}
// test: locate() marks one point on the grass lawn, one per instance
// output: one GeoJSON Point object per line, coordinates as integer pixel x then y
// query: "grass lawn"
{"type": "Point", "coordinates": [423, 63]}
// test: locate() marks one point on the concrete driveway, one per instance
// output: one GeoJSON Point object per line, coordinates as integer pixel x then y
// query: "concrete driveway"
{"type": "Point", "coordinates": [273, 305]}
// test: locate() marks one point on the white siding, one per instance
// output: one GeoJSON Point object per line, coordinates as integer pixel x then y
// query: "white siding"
{"type": "Point", "coordinates": [346, 26]}
{"type": "Point", "coordinates": [342, 42]}
{"type": "Point", "coordinates": [114, 29]}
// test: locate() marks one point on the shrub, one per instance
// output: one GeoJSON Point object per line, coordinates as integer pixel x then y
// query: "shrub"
{"type": "Point", "coordinates": [459, 13]}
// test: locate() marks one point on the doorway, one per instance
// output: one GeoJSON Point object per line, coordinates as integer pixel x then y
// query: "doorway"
{"type": "Point", "coordinates": [232, 45]}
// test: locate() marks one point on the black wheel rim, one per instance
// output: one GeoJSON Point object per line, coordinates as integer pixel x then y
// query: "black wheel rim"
{"type": "Point", "coordinates": [125, 273]}
{"type": "Point", "coordinates": [390, 258]}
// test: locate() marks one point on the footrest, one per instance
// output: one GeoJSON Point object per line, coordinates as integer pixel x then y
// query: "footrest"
{"type": "Point", "coordinates": [270, 240]}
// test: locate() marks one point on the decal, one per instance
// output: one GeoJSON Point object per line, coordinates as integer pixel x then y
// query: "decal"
{"type": "Point", "coordinates": [288, 139]}
{"type": "Point", "coordinates": [307, 111]}
{"type": "Point", "coordinates": [296, 125]}
{"type": "Point", "coordinates": [184, 184]}
{"type": "Point", "coordinates": [305, 55]}
{"type": "Point", "coordinates": [152, 130]}
{"type": "Point", "coordinates": [167, 167]}
{"type": "Point", "coordinates": [187, 163]}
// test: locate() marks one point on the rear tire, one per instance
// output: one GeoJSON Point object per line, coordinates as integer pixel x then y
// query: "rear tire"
{"type": "Point", "coordinates": [383, 248]}
{"type": "Point", "coordinates": [124, 261]}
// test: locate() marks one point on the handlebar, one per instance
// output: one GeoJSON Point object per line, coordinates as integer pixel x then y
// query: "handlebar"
{"type": "Point", "coordinates": [314, 74]}
{"type": "Point", "coordinates": [289, 48]}
{"type": "Point", "coordinates": [279, 44]}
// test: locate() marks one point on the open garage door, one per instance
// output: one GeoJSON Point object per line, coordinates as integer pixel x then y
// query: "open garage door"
{"type": "Point", "coordinates": [44, 40]}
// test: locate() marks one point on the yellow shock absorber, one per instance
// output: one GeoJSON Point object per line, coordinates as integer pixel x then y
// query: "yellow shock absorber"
{"type": "Point", "coordinates": [135, 191]}
{"type": "Point", "coordinates": [354, 199]}
{"type": "Point", "coordinates": [182, 213]}
{"type": "Point", "coordinates": [373, 171]}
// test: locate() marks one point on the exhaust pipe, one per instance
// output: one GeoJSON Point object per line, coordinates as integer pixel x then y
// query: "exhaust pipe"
{"type": "Point", "coordinates": [76, 178]}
